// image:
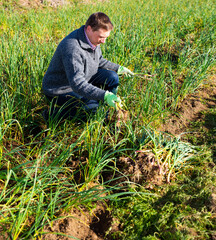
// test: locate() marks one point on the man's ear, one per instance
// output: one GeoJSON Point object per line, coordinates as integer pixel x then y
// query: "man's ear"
{"type": "Point", "coordinates": [89, 29]}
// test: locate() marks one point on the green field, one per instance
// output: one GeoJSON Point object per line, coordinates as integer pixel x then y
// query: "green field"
{"type": "Point", "coordinates": [47, 169]}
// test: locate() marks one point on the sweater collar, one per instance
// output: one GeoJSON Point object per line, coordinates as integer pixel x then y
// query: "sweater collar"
{"type": "Point", "coordinates": [93, 47]}
{"type": "Point", "coordinates": [82, 38]}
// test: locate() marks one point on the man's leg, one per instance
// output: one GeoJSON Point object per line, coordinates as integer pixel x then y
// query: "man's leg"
{"type": "Point", "coordinates": [64, 106]}
{"type": "Point", "coordinates": [106, 79]}
{"type": "Point", "coordinates": [68, 105]}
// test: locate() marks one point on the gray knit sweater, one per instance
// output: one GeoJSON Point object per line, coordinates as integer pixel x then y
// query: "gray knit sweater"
{"type": "Point", "coordinates": [72, 66]}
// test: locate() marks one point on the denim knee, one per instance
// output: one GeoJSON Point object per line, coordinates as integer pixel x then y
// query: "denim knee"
{"type": "Point", "coordinates": [112, 80]}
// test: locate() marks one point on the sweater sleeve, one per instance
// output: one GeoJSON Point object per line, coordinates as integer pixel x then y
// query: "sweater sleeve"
{"type": "Point", "coordinates": [74, 67]}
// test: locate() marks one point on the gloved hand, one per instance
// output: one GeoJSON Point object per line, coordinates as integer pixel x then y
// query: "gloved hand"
{"type": "Point", "coordinates": [111, 99]}
{"type": "Point", "coordinates": [124, 70]}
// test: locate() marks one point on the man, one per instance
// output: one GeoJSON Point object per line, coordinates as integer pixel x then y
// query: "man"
{"type": "Point", "coordinates": [78, 76]}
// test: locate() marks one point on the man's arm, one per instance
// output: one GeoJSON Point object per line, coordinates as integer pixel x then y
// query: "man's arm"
{"type": "Point", "coordinates": [74, 68]}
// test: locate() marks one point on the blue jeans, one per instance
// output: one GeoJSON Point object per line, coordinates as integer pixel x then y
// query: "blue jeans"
{"type": "Point", "coordinates": [71, 103]}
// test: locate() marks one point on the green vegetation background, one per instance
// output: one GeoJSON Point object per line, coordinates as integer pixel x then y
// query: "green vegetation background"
{"type": "Point", "coordinates": [174, 43]}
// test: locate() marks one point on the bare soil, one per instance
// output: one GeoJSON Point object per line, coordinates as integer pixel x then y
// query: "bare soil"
{"type": "Point", "coordinates": [144, 169]}
{"type": "Point", "coordinates": [83, 225]}
{"type": "Point", "coordinates": [27, 4]}
{"type": "Point", "coordinates": [39, 3]}
{"type": "Point", "coordinates": [191, 109]}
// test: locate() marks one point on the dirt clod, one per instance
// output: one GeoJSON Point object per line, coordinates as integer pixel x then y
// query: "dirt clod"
{"type": "Point", "coordinates": [144, 169]}
{"type": "Point", "coordinates": [82, 225]}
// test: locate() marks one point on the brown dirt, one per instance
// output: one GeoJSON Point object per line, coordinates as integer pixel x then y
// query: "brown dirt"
{"type": "Point", "coordinates": [82, 225]}
{"type": "Point", "coordinates": [191, 108]}
{"type": "Point", "coordinates": [4, 236]}
{"type": "Point", "coordinates": [213, 203]}
{"type": "Point", "coordinates": [27, 4]}
{"type": "Point", "coordinates": [143, 169]}
{"type": "Point", "coordinates": [37, 3]}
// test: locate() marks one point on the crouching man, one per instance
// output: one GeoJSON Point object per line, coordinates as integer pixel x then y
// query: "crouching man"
{"type": "Point", "coordinates": [78, 76]}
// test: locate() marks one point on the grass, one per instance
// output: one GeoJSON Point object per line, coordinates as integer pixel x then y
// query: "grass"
{"type": "Point", "coordinates": [185, 209]}
{"type": "Point", "coordinates": [171, 41]}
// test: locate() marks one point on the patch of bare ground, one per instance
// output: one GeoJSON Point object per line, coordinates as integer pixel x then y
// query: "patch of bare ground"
{"type": "Point", "coordinates": [213, 202]}
{"type": "Point", "coordinates": [28, 3]}
{"type": "Point", "coordinates": [212, 207]}
{"type": "Point", "coordinates": [3, 236]}
{"type": "Point", "coordinates": [80, 224]}
{"type": "Point", "coordinates": [144, 169]}
{"type": "Point", "coordinates": [191, 108]}
{"type": "Point", "coordinates": [40, 3]}
{"type": "Point", "coordinates": [51, 3]}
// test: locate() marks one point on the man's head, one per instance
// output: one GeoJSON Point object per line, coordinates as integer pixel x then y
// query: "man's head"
{"type": "Point", "coordinates": [98, 28]}
{"type": "Point", "coordinates": [99, 20]}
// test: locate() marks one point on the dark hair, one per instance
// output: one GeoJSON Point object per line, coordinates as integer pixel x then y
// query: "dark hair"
{"type": "Point", "coordinates": [99, 20]}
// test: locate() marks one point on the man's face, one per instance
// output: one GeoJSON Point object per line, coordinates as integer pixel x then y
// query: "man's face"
{"type": "Point", "coordinates": [97, 37]}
